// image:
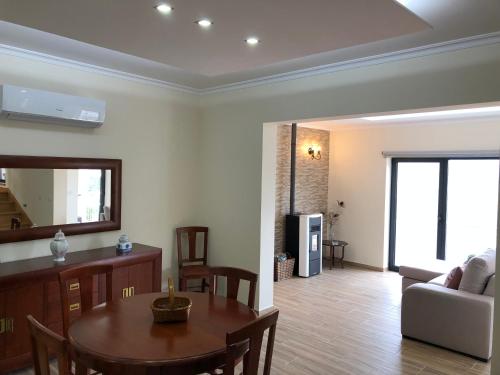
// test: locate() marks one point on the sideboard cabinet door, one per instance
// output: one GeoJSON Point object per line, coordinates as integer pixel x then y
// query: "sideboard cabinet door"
{"type": "Point", "coordinates": [2, 325]}
{"type": "Point", "coordinates": [120, 283]}
{"type": "Point", "coordinates": [140, 278]}
{"type": "Point", "coordinates": [20, 302]}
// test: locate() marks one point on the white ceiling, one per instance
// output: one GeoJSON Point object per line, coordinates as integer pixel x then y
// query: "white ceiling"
{"type": "Point", "coordinates": [130, 36]}
{"type": "Point", "coordinates": [456, 114]}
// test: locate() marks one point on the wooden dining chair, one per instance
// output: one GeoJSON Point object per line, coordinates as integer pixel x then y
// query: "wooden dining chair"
{"type": "Point", "coordinates": [192, 266]}
{"type": "Point", "coordinates": [247, 342]}
{"type": "Point", "coordinates": [45, 343]}
{"type": "Point", "coordinates": [233, 278]}
{"type": "Point", "coordinates": [79, 281]}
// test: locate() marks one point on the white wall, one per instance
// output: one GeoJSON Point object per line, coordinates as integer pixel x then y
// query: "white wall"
{"type": "Point", "coordinates": [359, 174]}
{"type": "Point", "coordinates": [154, 130]}
{"type": "Point", "coordinates": [232, 136]}
{"type": "Point", "coordinates": [61, 194]}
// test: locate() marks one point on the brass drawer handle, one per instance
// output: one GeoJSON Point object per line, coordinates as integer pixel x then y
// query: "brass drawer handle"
{"type": "Point", "coordinates": [9, 325]}
{"type": "Point", "coordinates": [131, 291]}
{"type": "Point", "coordinates": [125, 292]}
{"type": "Point", "coordinates": [74, 306]}
{"type": "Point", "coordinates": [74, 286]}
{"type": "Point", "coordinates": [2, 325]}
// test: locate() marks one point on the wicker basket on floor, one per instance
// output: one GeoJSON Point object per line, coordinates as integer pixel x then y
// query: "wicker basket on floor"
{"type": "Point", "coordinates": [283, 270]}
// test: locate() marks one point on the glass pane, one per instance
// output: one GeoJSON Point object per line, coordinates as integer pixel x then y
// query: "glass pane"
{"type": "Point", "coordinates": [417, 211]}
{"type": "Point", "coordinates": [471, 225]}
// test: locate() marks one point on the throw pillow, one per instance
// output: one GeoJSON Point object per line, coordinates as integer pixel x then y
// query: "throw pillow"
{"type": "Point", "coordinates": [477, 272]}
{"type": "Point", "coordinates": [454, 277]}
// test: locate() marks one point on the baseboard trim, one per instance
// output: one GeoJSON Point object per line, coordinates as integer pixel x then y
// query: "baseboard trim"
{"type": "Point", "coordinates": [365, 266]}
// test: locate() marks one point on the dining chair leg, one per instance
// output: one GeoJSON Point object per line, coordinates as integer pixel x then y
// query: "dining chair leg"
{"type": "Point", "coordinates": [183, 285]}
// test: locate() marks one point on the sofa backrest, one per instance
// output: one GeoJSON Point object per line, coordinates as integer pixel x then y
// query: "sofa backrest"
{"type": "Point", "coordinates": [477, 272]}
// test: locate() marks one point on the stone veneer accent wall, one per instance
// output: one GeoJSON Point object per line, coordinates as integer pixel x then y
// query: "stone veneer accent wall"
{"type": "Point", "coordinates": [311, 184]}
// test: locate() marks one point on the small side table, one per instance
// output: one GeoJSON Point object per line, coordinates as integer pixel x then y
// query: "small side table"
{"type": "Point", "coordinates": [332, 244]}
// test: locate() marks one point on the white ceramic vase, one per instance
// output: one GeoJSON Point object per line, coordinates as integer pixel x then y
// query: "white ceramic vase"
{"type": "Point", "coordinates": [59, 247]}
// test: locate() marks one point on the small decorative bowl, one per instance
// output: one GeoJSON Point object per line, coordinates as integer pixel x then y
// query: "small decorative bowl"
{"type": "Point", "coordinates": [164, 312]}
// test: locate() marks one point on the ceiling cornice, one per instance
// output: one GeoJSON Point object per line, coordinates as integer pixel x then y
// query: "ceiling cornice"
{"type": "Point", "coordinates": [61, 61]}
{"type": "Point", "coordinates": [432, 49]}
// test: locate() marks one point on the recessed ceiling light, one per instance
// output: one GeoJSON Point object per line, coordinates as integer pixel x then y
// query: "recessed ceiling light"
{"type": "Point", "coordinates": [204, 22]}
{"type": "Point", "coordinates": [164, 8]}
{"type": "Point", "coordinates": [252, 40]}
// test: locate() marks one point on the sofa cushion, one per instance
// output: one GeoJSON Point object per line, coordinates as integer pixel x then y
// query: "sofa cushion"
{"type": "Point", "coordinates": [453, 278]}
{"type": "Point", "coordinates": [490, 287]}
{"type": "Point", "coordinates": [477, 272]}
{"type": "Point", "coordinates": [440, 280]}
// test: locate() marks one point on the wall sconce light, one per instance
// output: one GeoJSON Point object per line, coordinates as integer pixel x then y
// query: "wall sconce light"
{"type": "Point", "coordinates": [314, 152]}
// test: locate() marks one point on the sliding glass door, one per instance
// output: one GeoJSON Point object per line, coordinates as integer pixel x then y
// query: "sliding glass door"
{"type": "Point", "coordinates": [442, 208]}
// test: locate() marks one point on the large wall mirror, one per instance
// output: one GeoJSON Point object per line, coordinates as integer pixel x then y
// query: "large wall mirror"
{"type": "Point", "coordinates": [40, 195]}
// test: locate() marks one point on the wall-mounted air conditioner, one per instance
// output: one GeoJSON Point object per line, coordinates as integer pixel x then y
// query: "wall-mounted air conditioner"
{"type": "Point", "coordinates": [19, 103]}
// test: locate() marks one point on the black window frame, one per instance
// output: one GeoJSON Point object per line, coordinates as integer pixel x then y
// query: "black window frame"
{"type": "Point", "coordinates": [442, 201]}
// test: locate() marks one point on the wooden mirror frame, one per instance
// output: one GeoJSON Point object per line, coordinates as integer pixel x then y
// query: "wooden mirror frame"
{"type": "Point", "coordinates": [44, 162]}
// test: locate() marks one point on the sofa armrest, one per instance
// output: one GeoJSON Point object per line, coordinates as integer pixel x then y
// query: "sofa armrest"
{"type": "Point", "coordinates": [422, 274]}
{"type": "Point", "coordinates": [450, 318]}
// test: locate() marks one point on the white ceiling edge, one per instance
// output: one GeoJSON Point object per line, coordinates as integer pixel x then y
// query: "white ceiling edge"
{"type": "Point", "coordinates": [61, 61]}
{"type": "Point", "coordinates": [431, 49]}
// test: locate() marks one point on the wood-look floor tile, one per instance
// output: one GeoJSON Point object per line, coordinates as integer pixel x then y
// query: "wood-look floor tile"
{"type": "Point", "coordinates": [347, 322]}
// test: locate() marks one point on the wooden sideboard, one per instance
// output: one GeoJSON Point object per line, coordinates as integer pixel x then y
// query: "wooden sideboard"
{"type": "Point", "coordinates": [31, 287]}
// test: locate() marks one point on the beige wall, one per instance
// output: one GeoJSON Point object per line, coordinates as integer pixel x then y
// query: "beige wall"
{"type": "Point", "coordinates": [359, 174]}
{"type": "Point", "coordinates": [34, 190]}
{"type": "Point", "coordinates": [153, 130]}
{"type": "Point", "coordinates": [311, 177]}
{"type": "Point", "coordinates": [232, 175]}
{"type": "Point", "coordinates": [167, 157]}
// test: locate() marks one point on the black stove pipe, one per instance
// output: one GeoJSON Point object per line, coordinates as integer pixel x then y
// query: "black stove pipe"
{"type": "Point", "coordinates": [293, 156]}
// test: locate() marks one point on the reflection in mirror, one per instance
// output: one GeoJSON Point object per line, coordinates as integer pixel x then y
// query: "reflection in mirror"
{"type": "Point", "coordinates": [43, 197]}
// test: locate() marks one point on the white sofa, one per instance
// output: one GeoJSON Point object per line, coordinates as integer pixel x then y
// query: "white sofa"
{"type": "Point", "coordinates": [455, 319]}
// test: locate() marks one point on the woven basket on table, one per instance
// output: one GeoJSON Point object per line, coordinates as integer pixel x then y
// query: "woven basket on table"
{"type": "Point", "coordinates": [283, 270]}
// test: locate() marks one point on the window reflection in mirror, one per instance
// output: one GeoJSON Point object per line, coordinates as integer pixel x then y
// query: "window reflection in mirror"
{"type": "Point", "coordinates": [44, 197]}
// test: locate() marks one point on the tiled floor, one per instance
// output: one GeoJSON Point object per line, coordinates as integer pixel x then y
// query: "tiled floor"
{"type": "Point", "coordinates": [347, 321]}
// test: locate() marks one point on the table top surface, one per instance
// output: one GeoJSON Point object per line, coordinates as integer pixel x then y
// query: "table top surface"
{"type": "Point", "coordinates": [335, 243]}
{"type": "Point", "coordinates": [123, 331]}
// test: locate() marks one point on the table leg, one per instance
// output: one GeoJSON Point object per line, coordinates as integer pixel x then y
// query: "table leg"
{"type": "Point", "coordinates": [342, 258]}
{"type": "Point", "coordinates": [332, 256]}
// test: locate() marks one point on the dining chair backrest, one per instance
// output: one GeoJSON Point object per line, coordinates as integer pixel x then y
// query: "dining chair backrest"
{"type": "Point", "coordinates": [247, 341]}
{"type": "Point", "coordinates": [44, 344]}
{"type": "Point", "coordinates": [81, 279]}
{"type": "Point", "coordinates": [192, 234]}
{"type": "Point", "coordinates": [233, 278]}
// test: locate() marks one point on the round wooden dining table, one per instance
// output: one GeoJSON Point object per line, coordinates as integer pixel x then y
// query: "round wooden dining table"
{"type": "Point", "coordinates": [120, 337]}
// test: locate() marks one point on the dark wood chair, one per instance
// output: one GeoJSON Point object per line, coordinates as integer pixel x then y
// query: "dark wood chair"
{"type": "Point", "coordinates": [80, 281]}
{"type": "Point", "coordinates": [247, 342]}
{"type": "Point", "coordinates": [233, 278]}
{"type": "Point", "coordinates": [44, 344]}
{"type": "Point", "coordinates": [192, 267]}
